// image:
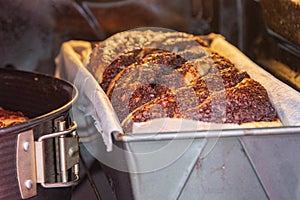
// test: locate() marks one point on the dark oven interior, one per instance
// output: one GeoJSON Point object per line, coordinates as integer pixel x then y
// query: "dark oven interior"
{"type": "Point", "coordinates": [267, 31]}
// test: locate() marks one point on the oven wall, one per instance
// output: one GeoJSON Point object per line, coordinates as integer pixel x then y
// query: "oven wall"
{"type": "Point", "coordinates": [31, 31]}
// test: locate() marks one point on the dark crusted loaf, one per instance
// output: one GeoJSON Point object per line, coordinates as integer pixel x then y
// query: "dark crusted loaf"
{"type": "Point", "coordinates": [148, 75]}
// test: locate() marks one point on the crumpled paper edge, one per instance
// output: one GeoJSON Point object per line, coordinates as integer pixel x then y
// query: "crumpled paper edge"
{"type": "Point", "coordinates": [285, 99]}
{"type": "Point", "coordinates": [70, 66]}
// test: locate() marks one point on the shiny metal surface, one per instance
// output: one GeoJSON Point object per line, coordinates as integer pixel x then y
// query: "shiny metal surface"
{"type": "Point", "coordinates": [276, 162]}
{"type": "Point", "coordinates": [259, 165]}
{"type": "Point", "coordinates": [224, 173]}
{"type": "Point", "coordinates": [207, 134]}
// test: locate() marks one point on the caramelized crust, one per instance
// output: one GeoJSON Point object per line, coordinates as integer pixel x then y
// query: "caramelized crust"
{"type": "Point", "coordinates": [118, 65]}
{"type": "Point", "coordinates": [246, 102]}
{"type": "Point", "coordinates": [223, 95]}
{"type": "Point", "coordinates": [175, 75]}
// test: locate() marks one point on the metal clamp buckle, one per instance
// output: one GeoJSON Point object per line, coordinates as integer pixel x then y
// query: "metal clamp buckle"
{"type": "Point", "coordinates": [31, 160]}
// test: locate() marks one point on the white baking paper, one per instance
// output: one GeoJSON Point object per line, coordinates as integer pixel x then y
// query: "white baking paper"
{"type": "Point", "coordinates": [92, 102]}
{"type": "Point", "coordinates": [285, 99]}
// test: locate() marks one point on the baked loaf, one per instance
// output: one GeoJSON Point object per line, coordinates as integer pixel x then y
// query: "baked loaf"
{"type": "Point", "coordinates": [8, 118]}
{"type": "Point", "coordinates": [152, 74]}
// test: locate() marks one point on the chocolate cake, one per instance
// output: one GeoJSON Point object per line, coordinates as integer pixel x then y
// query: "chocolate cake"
{"type": "Point", "coordinates": [176, 75]}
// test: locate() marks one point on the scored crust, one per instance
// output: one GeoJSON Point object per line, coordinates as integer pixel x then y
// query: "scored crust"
{"type": "Point", "coordinates": [193, 83]}
{"type": "Point", "coordinates": [242, 104]}
{"type": "Point", "coordinates": [107, 51]}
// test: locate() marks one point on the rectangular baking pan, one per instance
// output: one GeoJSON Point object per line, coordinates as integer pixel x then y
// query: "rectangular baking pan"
{"type": "Point", "coordinates": [230, 164]}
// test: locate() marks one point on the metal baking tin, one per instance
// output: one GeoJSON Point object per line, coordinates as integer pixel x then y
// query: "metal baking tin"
{"type": "Point", "coordinates": [256, 163]}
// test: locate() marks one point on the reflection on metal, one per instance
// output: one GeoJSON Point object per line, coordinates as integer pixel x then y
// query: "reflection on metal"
{"type": "Point", "coordinates": [206, 134]}
{"type": "Point", "coordinates": [62, 150]}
